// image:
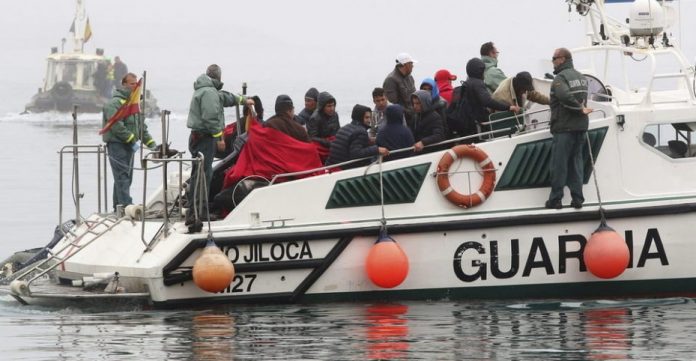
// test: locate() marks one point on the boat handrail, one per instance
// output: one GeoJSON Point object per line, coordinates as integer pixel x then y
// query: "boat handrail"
{"type": "Point", "coordinates": [76, 150]}
{"type": "Point", "coordinates": [397, 151]}
{"type": "Point", "coordinates": [687, 72]}
{"type": "Point", "coordinates": [56, 257]}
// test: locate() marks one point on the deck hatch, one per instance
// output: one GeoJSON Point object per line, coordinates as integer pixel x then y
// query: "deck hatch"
{"type": "Point", "coordinates": [528, 166]}
{"type": "Point", "coordinates": [400, 186]}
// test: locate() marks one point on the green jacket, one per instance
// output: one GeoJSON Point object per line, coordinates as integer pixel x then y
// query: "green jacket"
{"type": "Point", "coordinates": [206, 114]}
{"type": "Point", "coordinates": [126, 130]}
{"type": "Point", "coordinates": [492, 76]}
{"type": "Point", "coordinates": [568, 97]}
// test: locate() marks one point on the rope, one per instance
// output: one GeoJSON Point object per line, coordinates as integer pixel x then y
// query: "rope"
{"type": "Point", "coordinates": [111, 159]}
{"type": "Point", "coordinates": [594, 176]}
{"type": "Point", "coordinates": [383, 221]}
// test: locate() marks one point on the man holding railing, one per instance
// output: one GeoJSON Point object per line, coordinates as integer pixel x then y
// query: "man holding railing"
{"type": "Point", "coordinates": [206, 120]}
{"type": "Point", "coordinates": [569, 123]}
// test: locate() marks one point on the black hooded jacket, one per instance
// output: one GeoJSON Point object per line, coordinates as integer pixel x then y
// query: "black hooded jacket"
{"type": "Point", "coordinates": [352, 141]}
{"type": "Point", "coordinates": [427, 125]}
{"type": "Point", "coordinates": [320, 126]}
{"type": "Point", "coordinates": [477, 96]}
{"type": "Point", "coordinates": [394, 134]}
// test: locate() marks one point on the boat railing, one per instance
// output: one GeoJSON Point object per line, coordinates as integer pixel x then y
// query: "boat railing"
{"type": "Point", "coordinates": [75, 151]}
{"type": "Point", "coordinates": [21, 284]}
{"type": "Point", "coordinates": [685, 74]}
{"type": "Point", "coordinates": [524, 127]}
{"type": "Point", "coordinates": [483, 135]}
{"type": "Point", "coordinates": [159, 159]}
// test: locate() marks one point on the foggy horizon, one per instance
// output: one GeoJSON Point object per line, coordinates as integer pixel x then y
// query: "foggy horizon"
{"type": "Point", "coordinates": [344, 47]}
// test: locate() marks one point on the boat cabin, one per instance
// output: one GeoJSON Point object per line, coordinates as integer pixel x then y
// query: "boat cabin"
{"type": "Point", "coordinates": [75, 69]}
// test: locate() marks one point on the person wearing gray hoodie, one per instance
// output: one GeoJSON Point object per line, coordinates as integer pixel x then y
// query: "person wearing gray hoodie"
{"type": "Point", "coordinates": [427, 126]}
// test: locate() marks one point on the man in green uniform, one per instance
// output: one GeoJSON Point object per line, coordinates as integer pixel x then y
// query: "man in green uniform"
{"type": "Point", "coordinates": [121, 140]}
{"type": "Point", "coordinates": [206, 119]}
{"type": "Point", "coordinates": [569, 123]}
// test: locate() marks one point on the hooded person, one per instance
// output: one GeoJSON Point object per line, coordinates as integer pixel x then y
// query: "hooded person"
{"type": "Point", "coordinates": [352, 141]}
{"type": "Point", "coordinates": [206, 119]}
{"type": "Point", "coordinates": [439, 103]}
{"type": "Point", "coordinates": [394, 134]}
{"type": "Point", "coordinates": [283, 120]}
{"type": "Point", "coordinates": [519, 90]}
{"type": "Point", "coordinates": [443, 79]}
{"type": "Point", "coordinates": [310, 101]}
{"type": "Point", "coordinates": [323, 124]}
{"type": "Point", "coordinates": [478, 99]}
{"type": "Point", "coordinates": [232, 138]}
{"type": "Point", "coordinates": [427, 125]}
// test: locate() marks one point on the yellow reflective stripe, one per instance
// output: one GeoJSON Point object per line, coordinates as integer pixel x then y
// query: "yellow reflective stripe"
{"type": "Point", "coordinates": [122, 101]}
{"type": "Point", "coordinates": [132, 136]}
{"type": "Point", "coordinates": [150, 142]}
{"type": "Point", "coordinates": [217, 135]}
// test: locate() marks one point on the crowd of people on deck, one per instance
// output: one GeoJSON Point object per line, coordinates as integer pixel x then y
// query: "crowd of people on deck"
{"type": "Point", "coordinates": [402, 118]}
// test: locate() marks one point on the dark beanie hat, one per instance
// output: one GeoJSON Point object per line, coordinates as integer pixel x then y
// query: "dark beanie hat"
{"type": "Point", "coordinates": [283, 103]}
{"type": "Point", "coordinates": [523, 81]}
{"type": "Point", "coordinates": [214, 71]}
{"type": "Point", "coordinates": [312, 93]}
{"type": "Point", "coordinates": [359, 112]}
{"type": "Point", "coordinates": [394, 114]}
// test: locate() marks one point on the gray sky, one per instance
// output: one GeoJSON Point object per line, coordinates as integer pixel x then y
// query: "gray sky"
{"type": "Point", "coordinates": [343, 46]}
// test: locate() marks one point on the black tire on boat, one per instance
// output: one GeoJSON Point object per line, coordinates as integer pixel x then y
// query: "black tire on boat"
{"type": "Point", "coordinates": [62, 94]}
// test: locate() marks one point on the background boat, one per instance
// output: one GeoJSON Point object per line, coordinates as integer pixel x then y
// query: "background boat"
{"type": "Point", "coordinates": [76, 78]}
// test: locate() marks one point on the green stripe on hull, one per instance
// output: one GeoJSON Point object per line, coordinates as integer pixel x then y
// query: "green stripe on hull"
{"type": "Point", "coordinates": [528, 166]}
{"type": "Point", "coordinates": [400, 186]}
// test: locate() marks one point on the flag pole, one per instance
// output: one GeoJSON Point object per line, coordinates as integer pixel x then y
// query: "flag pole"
{"type": "Point", "coordinates": [141, 115]}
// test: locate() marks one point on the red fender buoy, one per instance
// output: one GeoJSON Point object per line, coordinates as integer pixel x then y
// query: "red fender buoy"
{"type": "Point", "coordinates": [386, 264]}
{"type": "Point", "coordinates": [606, 254]}
{"type": "Point", "coordinates": [212, 271]}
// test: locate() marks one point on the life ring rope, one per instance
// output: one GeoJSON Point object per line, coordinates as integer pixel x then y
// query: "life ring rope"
{"type": "Point", "coordinates": [477, 155]}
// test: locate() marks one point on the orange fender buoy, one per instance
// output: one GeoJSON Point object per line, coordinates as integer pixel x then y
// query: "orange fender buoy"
{"type": "Point", "coordinates": [212, 271]}
{"type": "Point", "coordinates": [443, 183]}
{"type": "Point", "coordinates": [606, 254]}
{"type": "Point", "coordinates": [386, 264]}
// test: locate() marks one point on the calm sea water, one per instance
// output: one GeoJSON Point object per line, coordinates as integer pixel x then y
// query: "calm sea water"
{"type": "Point", "coordinates": [438, 330]}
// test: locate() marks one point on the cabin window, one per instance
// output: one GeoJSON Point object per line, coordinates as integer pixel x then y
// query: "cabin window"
{"type": "Point", "coordinates": [69, 73]}
{"type": "Point", "coordinates": [672, 139]}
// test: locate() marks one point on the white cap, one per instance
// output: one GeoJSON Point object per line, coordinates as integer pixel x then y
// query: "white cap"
{"type": "Point", "coordinates": [404, 58]}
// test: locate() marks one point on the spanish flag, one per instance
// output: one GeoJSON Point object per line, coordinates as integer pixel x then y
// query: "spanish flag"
{"type": "Point", "coordinates": [88, 31]}
{"type": "Point", "coordinates": [130, 107]}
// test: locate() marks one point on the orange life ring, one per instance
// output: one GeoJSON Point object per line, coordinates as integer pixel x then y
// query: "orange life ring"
{"type": "Point", "coordinates": [477, 155]}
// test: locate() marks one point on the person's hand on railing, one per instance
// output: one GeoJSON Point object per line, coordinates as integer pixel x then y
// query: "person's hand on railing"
{"type": "Point", "coordinates": [418, 147]}
{"type": "Point", "coordinates": [514, 109]}
{"type": "Point", "coordinates": [587, 111]}
{"type": "Point", "coordinates": [383, 151]}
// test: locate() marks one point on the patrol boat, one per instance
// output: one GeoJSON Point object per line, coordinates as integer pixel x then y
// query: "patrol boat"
{"type": "Point", "coordinates": [71, 77]}
{"type": "Point", "coordinates": [470, 221]}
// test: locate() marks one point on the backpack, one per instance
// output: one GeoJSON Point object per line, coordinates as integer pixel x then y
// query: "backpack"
{"type": "Point", "coordinates": [458, 113]}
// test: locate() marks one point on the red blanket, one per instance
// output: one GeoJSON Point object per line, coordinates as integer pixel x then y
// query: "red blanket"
{"type": "Point", "coordinates": [269, 152]}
